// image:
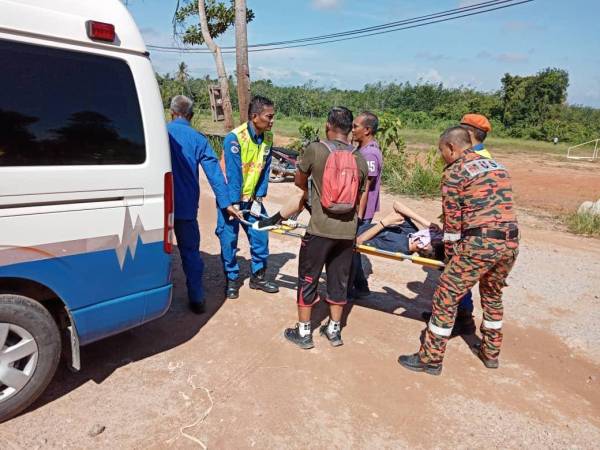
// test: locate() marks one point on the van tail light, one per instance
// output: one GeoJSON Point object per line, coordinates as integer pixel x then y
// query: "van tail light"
{"type": "Point", "coordinates": [100, 31]}
{"type": "Point", "coordinates": [169, 213]}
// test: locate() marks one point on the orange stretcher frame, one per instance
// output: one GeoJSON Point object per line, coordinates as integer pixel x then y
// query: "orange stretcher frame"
{"type": "Point", "coordinates": [372, 251]}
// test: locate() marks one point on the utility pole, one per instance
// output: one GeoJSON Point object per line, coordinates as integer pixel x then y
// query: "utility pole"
{"type": "Point", "coordinates": [241, 59]}
{"type": "Point", "coordinates": [222, 74]}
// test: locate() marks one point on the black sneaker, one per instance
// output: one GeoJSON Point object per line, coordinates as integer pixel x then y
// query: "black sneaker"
{"type": "Point", "coordinates": [293, 335]}
{"type": "Point", "coordinates": [232, 290]}
{"type": "Point", "coordinates": [413, 362]}
{"type": "Point", "coordinates": [197, 307]}
{"type": "Point", "coordinates": [489, 363]}
{"type": "Point", "coordinates": [258, 281]}
{"type": "Point", "coordinates": [334, 339]}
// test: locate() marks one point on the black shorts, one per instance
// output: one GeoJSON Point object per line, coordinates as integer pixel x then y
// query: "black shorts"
{"type": "Point", "coordinates": [336, 256]}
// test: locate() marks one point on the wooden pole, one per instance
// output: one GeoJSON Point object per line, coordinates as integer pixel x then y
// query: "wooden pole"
{"type": "Point", "coordinates": [241, 59]}
{"type": "Point", "coordinates": [222, 74]}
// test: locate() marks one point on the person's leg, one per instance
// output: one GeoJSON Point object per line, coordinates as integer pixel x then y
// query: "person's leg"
{"type": "Point", "coordinates": [227, 232]}
{"type": "Point", "coordinates": [259, 252]}
{"type": "Point", "coordinates": [460, 275]}
{"type": "Point", "coordinates": [188, 243]}
{"type": "Point", "coordinates": [490, 289]}
{"type": "Point", "coordinates": [311, 259]}
{"type": "Point", "coordinates": [337, 265]}
{"type": "Point", "coordinates": [358, 285]}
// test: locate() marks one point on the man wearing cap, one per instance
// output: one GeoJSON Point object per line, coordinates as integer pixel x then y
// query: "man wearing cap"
{"type": "Point", "coordinates": [478, 126]}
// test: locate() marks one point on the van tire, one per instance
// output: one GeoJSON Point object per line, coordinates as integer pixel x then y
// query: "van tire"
{"type": "Point", "coordinates": [36, 321]}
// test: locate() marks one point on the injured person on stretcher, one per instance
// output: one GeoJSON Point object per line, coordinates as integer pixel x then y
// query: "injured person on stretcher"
{"type": "Point", "coordinates": [397, 232]}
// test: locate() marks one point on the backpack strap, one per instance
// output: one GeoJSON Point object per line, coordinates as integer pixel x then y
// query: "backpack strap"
{"type": "Point", "coordinates": [331, 149]}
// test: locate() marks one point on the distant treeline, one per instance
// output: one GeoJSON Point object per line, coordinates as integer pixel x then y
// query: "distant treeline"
{"type": "Point", "coordinates": [531, 107]}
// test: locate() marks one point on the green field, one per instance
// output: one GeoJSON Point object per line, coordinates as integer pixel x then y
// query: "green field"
{"type": "Point", "coordinates": [288, 127]}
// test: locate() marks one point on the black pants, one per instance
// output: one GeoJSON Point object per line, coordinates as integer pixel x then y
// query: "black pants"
{"type": "Point", "coordinates": [336, 256]}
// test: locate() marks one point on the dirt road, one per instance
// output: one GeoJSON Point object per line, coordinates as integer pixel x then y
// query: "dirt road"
{"type": "Point", "coordinates": [141, 389]}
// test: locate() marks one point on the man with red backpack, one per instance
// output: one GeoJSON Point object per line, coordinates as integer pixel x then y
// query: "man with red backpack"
{"type": "Point", "coordinates": [338, 176]}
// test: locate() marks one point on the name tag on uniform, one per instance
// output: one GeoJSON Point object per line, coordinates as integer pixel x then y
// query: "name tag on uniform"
{"type": "Point", "coordinates": [256, 209]}
{"type": "Point", "coordinates": [479, 166]}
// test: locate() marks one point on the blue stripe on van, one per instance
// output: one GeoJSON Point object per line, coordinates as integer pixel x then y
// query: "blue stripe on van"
{"type": "Point", "coordinates": [96, 278]}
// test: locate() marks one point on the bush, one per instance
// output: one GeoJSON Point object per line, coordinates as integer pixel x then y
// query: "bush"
{"type": "Point", "coordinates": [584, 223]}
{"type": "Point", "coordinates": [413, 177]}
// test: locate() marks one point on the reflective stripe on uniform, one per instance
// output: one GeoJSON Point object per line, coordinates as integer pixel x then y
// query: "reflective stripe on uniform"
{"type": "Point", "coordinates": [446, 332]}
{"type": "Point", "coordinates": [492, 325]}
{"type": "Point", "coordinates": [451, 237]}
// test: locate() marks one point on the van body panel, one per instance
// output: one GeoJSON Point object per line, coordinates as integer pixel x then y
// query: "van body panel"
{"type": "Point", "coordinates": [93, 233]}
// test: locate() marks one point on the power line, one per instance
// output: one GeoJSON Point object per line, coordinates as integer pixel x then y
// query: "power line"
{"type": "Point", "coordinates": [443, 16]}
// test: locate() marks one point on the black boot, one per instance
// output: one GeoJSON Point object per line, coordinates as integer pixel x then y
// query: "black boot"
{"type": "Point", "coordinates": [233, 289]}
{"type": "Point", "coordinates": [258, 281]}
{"type": "Point", "coordinates": [489, 363]}
{"type": "Point", "coordinates": [413, 362]}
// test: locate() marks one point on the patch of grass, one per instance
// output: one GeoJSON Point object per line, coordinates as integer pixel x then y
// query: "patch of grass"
{"type": "Point", "coordinates": [413, 175]}
{"type": "Point", "coordinates": [584, 223]}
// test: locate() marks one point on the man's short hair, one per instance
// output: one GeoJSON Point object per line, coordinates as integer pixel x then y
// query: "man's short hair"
{"type": "Point", "coordinates": [182, 105]}
{"type": "Point", "coordinates": [457, 135]}
{"type": "Point", "coordinates": [340, 118]}
{"type": "Point", "coordinates": [257, 104]}
{"type": "Point", "coordinates": [370, 120]}
{"type": "Point", "coordinates": [480, 135]}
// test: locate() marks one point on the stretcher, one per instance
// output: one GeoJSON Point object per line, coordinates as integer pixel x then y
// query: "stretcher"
{"type": "Point", "coordinates": [289, 230]}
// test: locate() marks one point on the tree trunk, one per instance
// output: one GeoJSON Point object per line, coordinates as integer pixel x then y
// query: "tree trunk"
{"type": "Point", "coordinates": [241, 59]}
{"type": "Point", "coordinates": [222, 74]}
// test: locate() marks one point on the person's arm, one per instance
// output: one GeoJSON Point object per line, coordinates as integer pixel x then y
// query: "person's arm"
{"type": "Point", "coordinates": [233, 168]}
{"type": "Point", "coordinates": [393, 218]}
{"type": "Point", "coordinates": [451, 201]}
{"type": "Point", "coordinates": [401, 208]}
{"type": "Point", "coordinates": [362, 206]}
{"type": "Point", "coordinates": [210, 164]}
{"type": "Point", "coordinates": [304, 167]}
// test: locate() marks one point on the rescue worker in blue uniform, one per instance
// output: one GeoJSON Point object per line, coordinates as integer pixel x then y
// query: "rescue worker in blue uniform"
{"type": "Point", "coordinates": [246, 163]}
{"type": "Point", "coordinates": [189, 149]}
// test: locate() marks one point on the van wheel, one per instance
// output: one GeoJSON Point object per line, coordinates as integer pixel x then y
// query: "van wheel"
{"type": "Point", "coordinates": [29, 352]}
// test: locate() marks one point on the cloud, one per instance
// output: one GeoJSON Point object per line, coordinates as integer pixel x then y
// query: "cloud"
{"type": "Point", "coordinates": [428, 56]}
{"type": "Point", "coordinates": [431, 76]}
{"type": "Point", "coordinates": [509, 57]}
{"type": "Point", "coordinates": [326, 4]}
{"type": "Point", "coordinates": [463, 3]}
{"type": "Point", "coordinates": [517, 26]}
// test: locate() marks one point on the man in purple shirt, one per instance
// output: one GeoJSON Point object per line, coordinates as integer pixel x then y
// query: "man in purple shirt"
{"type": "Point", "coordinates": [364, 128]}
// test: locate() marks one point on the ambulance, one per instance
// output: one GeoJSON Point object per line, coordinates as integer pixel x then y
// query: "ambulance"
{"type": "Point", "coordinates": [86, 192]}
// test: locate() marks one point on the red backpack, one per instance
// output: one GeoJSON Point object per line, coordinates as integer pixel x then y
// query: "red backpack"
{"type": "Point", "coordinates": [339, 191]}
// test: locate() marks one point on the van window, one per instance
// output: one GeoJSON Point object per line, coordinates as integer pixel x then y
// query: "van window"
{"type": "Point", "coordinates": [60, 107]}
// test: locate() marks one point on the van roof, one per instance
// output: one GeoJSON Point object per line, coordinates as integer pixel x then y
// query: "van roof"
{"type": "Point", "coordinates": [65, 20]}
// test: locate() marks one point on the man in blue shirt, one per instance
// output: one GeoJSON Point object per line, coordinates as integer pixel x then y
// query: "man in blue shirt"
{"type": "Point", "coordinates": [189, 149]}
{"type": "Point", "coordinates": [246, 162]}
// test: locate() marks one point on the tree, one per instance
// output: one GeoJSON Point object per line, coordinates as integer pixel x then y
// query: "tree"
{"type": "Point", "coordinates": [214, 19]}
{"type": "Point", "coordinates": [529, 101]}
{"type": "Point", "coordinates": [182, 75]}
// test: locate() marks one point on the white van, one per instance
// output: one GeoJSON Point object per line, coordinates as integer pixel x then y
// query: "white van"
{"type": "Point", "coordinates": [85, 187]}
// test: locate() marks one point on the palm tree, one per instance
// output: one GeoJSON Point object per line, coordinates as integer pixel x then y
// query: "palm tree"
{"type": "Point", "coordinates": [182, 75]}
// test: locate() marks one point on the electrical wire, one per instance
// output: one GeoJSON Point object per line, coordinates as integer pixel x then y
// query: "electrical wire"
{"type": "Point", "coordinates": [416, 22]}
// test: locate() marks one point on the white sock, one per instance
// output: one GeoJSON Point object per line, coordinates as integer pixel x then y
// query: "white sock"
{"type": "Point", "coordinates": [333, 327]}
{"type": "Point", "coordinates": [304, 328]}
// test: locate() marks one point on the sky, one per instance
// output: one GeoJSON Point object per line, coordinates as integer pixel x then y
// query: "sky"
{"type": "Point", "coordinates": [473, 52]}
